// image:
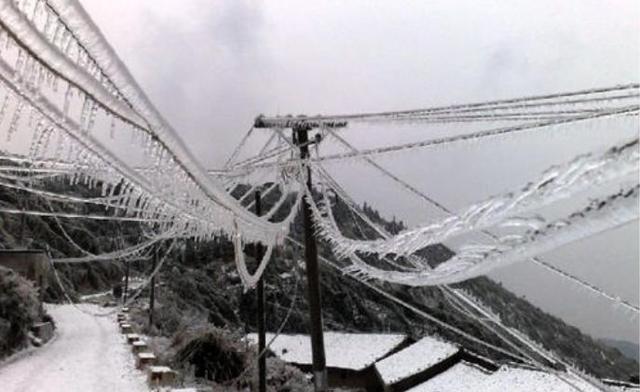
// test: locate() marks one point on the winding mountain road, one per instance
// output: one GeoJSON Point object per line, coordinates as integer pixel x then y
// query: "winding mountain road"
{"type": "Point", "coordinates": [87, 354]}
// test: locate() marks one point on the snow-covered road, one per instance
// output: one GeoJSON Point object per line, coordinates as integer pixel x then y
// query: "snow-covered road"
{"type": "Point", "coordinates": [88, 355]}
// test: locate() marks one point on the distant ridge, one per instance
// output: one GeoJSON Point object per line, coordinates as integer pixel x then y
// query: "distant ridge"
{"type": "Point", "coordinates": [628, 349]}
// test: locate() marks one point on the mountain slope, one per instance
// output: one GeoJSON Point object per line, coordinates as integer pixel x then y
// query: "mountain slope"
{"type": "Point", "coordinates": [200, 280]}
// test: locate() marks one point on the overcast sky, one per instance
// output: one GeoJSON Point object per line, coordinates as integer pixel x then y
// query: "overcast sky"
{"type": "Point", "coordinates": [212, 66]}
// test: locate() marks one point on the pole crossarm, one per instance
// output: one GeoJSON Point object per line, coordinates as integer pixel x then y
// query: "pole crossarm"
{"type": "Point", "coordinates": [293, 122]}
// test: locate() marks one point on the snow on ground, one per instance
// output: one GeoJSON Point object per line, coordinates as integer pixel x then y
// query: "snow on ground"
{"type": "Point", "coordinates": [420, 356]}
{"type": "Point", "coordinates": [88, 354]}
{"type": "Point", "coordinates": [342, 350]}
{"type": "Point", "coordinates": [465, 377]}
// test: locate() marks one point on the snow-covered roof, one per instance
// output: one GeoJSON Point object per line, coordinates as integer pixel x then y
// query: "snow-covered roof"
{"type": "Point", "coordinates": [464, 377]}
{"type": "Point", "coordinates": [159, 369]}
{"type": "Point", "coordinates": [353, 351]}
{"type": "Point", "coordinates": [416, 358]}
{"type": "Point", "coordinates": [357, 351]}
{"type": "Point", "coordinates": [526, 380]}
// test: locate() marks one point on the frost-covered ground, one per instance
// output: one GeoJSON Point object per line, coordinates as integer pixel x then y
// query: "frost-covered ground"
{"type": "Point", "coordinates": [88, 354]}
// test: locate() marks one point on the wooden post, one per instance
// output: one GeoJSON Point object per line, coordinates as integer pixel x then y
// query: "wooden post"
{"type": "Point", "coordinates": [152, 289]}
{"type": "Point", "coordinates": [262, 363]}
{"type": "Point", "coordinates": [126, 282]}
{"type": "Point", "coordinates": [313, 280]}
{"type": "Point", "coordinates": [22, 202]}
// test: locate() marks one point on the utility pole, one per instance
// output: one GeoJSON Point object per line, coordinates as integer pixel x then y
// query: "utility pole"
{"type": "Point", "coordinates": [300, 127]}
{"type": "Point", "coordinates": [152, 290]}
{"type": "Point", "coordinates": [22, 202]}
{"type": "Point", "coordinates": [262, 341]}
{"type": "Point", "coordinates": [126, 281]}
{"type": "Point", "coordinates": [300, 135]}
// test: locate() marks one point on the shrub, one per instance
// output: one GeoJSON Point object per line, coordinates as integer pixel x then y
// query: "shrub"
{"type": "Point", "coordinates": [214, 355]}
{"type": "Point", "coordinates": [19, 309]}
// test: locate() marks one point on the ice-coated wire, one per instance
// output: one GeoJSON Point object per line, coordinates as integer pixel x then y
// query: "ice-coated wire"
{"type": "Point", "coordinates": [487, 105]}
{"type": "Point", "coordinates": [87, 142]}
{"type": "Point", "coordinates": [267, 191]}
{"type": "Point", "coordinates": [555, 183]}
{"type": "Point", "coordinates": [589, 286]}
{"type": "Point", "coordinates": [547, 355]}
{"type": "Point", "coordinates": [103, 201]}
{"type": "Point", "coordinates": [250, 280]}
{"type": "Point", "coordinates": [386, 172]}
{"type": "Point", "coordinates": [467, 137]}
{"type": "Point", "coordinates": [91, 38]}
{"type": "Point", "coordinates": [163, 138]}
{"type": "Point", "coordinates": [413, 190]}
{"type": "Point", "coordinates": [118, 254]}
{"type": "Point", "coordinates": [69, 215]}
{"type": "Point", "coordinates": [238, 148]}
{"type": "Point", "coordinates": [472, 261]}
{"type": "Point", "coordinates": [129, 300]}
{"type": "Point", "coordinates": [67, 236]}
{"type": "Point", "coordinates": [479, 135]}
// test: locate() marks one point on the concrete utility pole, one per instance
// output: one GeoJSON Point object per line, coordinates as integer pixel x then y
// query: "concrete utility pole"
{"type": "Point", "coordinates": [301, 136]}
{"type": "Point", "coordinates": [300, 127]}
{"type": "Point", "coordinates": [262, 340]}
